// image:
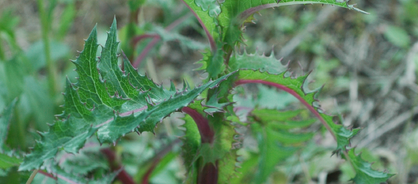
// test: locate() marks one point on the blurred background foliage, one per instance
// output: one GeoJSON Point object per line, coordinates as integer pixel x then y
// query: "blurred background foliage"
{"type": "Point", "coordinates": [368, 64]}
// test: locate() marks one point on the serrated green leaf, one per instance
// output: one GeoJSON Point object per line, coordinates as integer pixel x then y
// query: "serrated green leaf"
{"type": "Point", "coordinates": [7, 161]}
{"type": "Point", "coordinates": [108, 101]}
{"type": "Point", "coordinates": [364, 173]}
{"type": "Point", "coordinates": [271, 153]}
{"type": "Point", "coordinates": [297, 88]}
{"type": "Point", "coordinates": [213, 62]}
{"type": "Point", "coordinates": [191, 141]}
{"type": "Point", "coordinates": [214, 105]}
{"type": "Point", "coordinates": [68, 177]}
{"type": "Point", "coordinates": [275, 143]}
{"type": "Point", "coordinates": [230, 15]}
{"type": "Point", "coordinates": [256, 62]}
{"type": "Point", "coordinates": [184, 41]}
{"type": "Point", "coordinates": [84, 163]}
{"type": "Point", "coordinates": [235, 13]}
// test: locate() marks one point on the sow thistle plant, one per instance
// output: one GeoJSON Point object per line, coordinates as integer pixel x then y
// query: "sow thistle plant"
{"type": "Point", "coordinates": [110, 102]}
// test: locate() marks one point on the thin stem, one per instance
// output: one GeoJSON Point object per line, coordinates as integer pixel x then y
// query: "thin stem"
{"type": "Point", "coordinates": [123, 176]}
{"type": "Point", "coordinates": [2, 57]}
{"type": "Point", "coordinates": [21, 129]}
{"type": "Point", "coordinates": [47, 174]}
{"type": "Point", "coordinates": [50, 65]}
{"type": "Point", "coordinates": [137, 39]}
{"type": "Point", "coordinates": [32, 176]}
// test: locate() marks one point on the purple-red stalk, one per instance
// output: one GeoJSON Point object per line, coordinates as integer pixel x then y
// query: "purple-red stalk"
{"type": "Point", "coordinates": [155, 40]}
{"type": "Point", "coordinates": [206, 132]}
{"type": "Point", "coordinates": [141, 37]}
{"type": "Point", "coordinates": [209, 174]}
{"type": "Point", "coordinates": [47, 174]}
{"type": "Point", "coordinates": [123, 176]}
{"type": "Point", "coordinates": [210, 38]}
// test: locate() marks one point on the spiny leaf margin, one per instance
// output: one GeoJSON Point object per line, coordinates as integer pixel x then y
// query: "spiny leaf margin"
{"type": "Point", "coordinates": [297, 87]}
{"type": "Point", "coordinates": [108, 101]}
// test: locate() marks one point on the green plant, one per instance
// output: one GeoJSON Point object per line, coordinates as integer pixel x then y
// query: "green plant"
{"type": "Point", "coordinates": [110, 102]}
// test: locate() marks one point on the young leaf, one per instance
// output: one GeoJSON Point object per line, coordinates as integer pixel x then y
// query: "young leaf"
{"type": "Point", "coordinates": [191, 143]}
{"type": "Point", "coordinates": [7, 161]}
{"type": "Point", "coordinates": [68, 177]}
{"type": "Point", "coordinates": [256, 62]}
{"type": "Point", "coordinates": [184, 41]}
{"type": "Point", "coordinates": [364, 172]}
{"type": "Point", "coordinates": [213, 62]}
{"type": "Point", "coordinates": [108, 101]}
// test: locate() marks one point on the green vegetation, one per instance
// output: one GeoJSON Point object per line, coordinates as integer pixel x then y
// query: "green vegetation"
{"type": "Point", "coordinates": [243, 116]}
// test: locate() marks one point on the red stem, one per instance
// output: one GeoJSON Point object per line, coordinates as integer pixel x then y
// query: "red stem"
{"type": "Point", "coordinates": [210, 38]}
{"type": "Point", "coordinates": [206, 132]}
{"type": "Point", "coordinates": [47, 174]}
{"type": "Point", "coordinates": [141, 37]}
{"type": "Point", "coordinates": [123, 176]}
{"type": "Point", "coordinates": [155, 40]}
{"type": "Point", "coordinates": [290, 91]}
{"type": "Point", "coordinates": [209, 174]}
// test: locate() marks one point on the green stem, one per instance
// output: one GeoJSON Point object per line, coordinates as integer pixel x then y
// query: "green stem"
{"type": "Point", "coordinates": [2, 57]}
{"type": "Point", "coordinates": [50, 65]}
{"type": "Point", "coordinates": [21, 130]}
{"type": "Point", "coordinates": [32, 176]}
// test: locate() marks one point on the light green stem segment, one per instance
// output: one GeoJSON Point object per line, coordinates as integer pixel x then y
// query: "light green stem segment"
{"type": "Point", "coordinates": [50, 65]}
